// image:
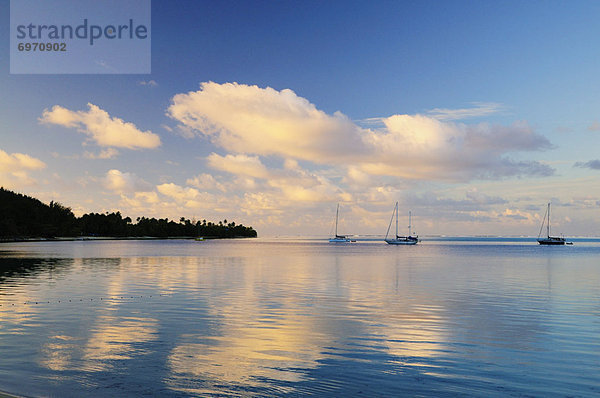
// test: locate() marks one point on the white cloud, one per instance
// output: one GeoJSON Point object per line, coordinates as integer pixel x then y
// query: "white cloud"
{"type": "Point", "coordinates": [108, 153]}
{"type": "Point", "coordinates": [120, 182]}
{"type": "Point", "coordinates": [479, 109]}
{"type": "Point", "coordinates": [252, 120]}
{"type": "Point", "coordinates": [248, 120]}
{"type": "Point", "coordinates": [15, 167]}
{"type": "Point", "coordinates": [290, 183]}
{"type": "Point", "coordinates": [250, 166]}
{"type": "Point", "coordinates": [206, 182]}
{"type": "Point", "coordinates": [140, 201]}
{"type": "Point", "coordinates": [16, 162]}
{"type": "Point", "coordinates": [101, 128]}
{"type": "Point", "coordinates": [192, 198]}
{"type": "Point", "coordinates": [521, 216]}
{"type": "Point", "coordinates": [177, 192]}
{"type": "Point", "coordinates": [420, 147]}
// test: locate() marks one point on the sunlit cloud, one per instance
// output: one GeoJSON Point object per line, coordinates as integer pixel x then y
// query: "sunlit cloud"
{"type": "Point", "coordinates": [101, 128]}
{"type": "Point", "coordinates": [108, 153]}
{"type": "Point", "coordinates": [139, 202]}
{"type": "Point", "coordinates": [178, 192]}
{"type": "Point", "coordinates": [279, 160]}
{"type": "Point", "coordinates": [250, 166]}
{"type": "Point", "coordinates": [290, 183]}
{"type": "Point", "coordinates": [251, 120]}
{"type": "Point", "coordinates": [191, 198]}
{"type": "Point", "coordinates": [15, 168]}
{"type": "Point", "coordinates": [248, 120]}
{"type": "Point", "coordinates": [206, 182]}
{"type": "Point", "coordinates": [521, 216]}
{"type": "Point", "coordinates": [121, 182]}
{"type": "Point", "coordinates": [420, 147]}
{"type": "Point", "coordinates": [15, 162]}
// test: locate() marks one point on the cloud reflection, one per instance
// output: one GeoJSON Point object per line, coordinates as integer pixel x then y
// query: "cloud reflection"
{"type": "Point", "coordinates": [115, 339]}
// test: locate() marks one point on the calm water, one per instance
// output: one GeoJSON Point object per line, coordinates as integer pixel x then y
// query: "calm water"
{"type": "Point", "coordinates": [295, 318]}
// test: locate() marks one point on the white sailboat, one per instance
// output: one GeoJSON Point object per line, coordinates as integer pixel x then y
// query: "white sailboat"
{"type": "Point", "coordinates": [401, 240]}
{"type": "Point", "coordinates": [549, 240]}
{"type": "Point", "coordinates": [339, 238]}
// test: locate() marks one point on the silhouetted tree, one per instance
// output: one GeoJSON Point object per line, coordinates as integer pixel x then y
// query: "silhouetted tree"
{"type": "Point", "coordinates": [22, 216]}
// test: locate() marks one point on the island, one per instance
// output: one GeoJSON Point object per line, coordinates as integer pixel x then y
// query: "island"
{"type": "Point", "coordinates": [23, 218]}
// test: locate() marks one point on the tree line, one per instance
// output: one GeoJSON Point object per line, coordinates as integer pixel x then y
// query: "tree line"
{"type": "Point", "coordinates": [22, 216]}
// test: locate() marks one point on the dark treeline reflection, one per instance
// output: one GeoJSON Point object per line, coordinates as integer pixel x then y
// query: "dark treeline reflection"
{"type": "Point", "coordinates": [11, 267]}
{"type": "Point", "coordinates": [22, 216]}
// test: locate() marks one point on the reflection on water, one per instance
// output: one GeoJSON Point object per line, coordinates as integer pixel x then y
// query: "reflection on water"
{"type": "Point", "coordinates": [231, 318]}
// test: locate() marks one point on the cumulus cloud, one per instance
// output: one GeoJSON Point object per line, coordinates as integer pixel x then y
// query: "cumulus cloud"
{"type": "Point", "coordinates": [120, 182]}
{"type": "Point", "coordinates": [290, 183]}
{"type": "Point", "coordinates": [420, 147]}
{"type": "Point", "coordinates": [101, 128]}
{"type": "Point", "coordinates": [178, 192]}
{"type": "Point", "coordinates": [520, 216]}
{"type": "Point", "coordinates": [191, 198]}
{"type": "Point", "coordinates": [592, 164]}
{"type": "Point", "coordinates": [252, 120]}
{"type": "Point", "coordinates": [108, 153]}
{"type": "Point", "coordinates": [248, 120]}
{"type": "Point", "coordinates": [140, 201]}
{"type": "Point", "coordinates": [250, 166]}
{"type": "Point", "coordinates": [206, 182]}
{"type": "Point", "coordinates": [12, 162]}
{"type": "Point", "coordinates": [15, 168]}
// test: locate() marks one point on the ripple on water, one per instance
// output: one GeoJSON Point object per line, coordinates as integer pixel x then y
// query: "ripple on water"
{"type": "Point", "coordinates": [255, 318]}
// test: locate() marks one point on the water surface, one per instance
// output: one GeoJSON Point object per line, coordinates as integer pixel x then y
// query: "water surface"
{"type": "Point", "coordinates": [299, 317]}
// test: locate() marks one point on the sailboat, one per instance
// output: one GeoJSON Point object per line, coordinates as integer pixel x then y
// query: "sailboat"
{"type": "Point", "coordinates": [401, 240]}
{"type": "Point", "coordinates": [339, 238]}
{"type": "Point", "coordinates": [549, 240]}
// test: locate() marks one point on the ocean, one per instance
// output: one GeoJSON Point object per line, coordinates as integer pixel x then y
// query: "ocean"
{"type": "Point", "coordinates": [295, 317]}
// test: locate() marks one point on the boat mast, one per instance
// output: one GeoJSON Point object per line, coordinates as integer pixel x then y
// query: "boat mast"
{"type": "Point", "coordinates": [336, 218]}
{"type": "Point", "coordinates": [409, 221]}
{"type": "Point", "coordinates": [548, 226]}
{"type": "Point", "coordinates": [396, 219]}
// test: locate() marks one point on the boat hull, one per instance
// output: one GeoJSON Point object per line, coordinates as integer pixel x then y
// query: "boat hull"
{"type": "Point", "coordinates": [405, 242]}
{"type": "Point", "coordinates": [339, 240]}
{"type": "Point", "coordinates": [552, 241]}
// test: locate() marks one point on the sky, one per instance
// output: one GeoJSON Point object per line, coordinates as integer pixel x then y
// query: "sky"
{"type": "Point", "coordinates": [471, 115]}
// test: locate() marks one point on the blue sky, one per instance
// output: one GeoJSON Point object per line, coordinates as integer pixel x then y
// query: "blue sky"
{"type": "Point", "coordinates": [471, 114]}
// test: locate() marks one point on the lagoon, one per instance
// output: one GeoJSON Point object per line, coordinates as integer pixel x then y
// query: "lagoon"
{"type": "Point", "coordinates": [295, 317]}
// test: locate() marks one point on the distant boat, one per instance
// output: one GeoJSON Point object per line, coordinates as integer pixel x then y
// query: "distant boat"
{"type": "Point", "coordinates": [339, 238]}
{"type": "Point", "coordinates": [401, 240]}
{"type": "Point", "coordinates": [549, 240]}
